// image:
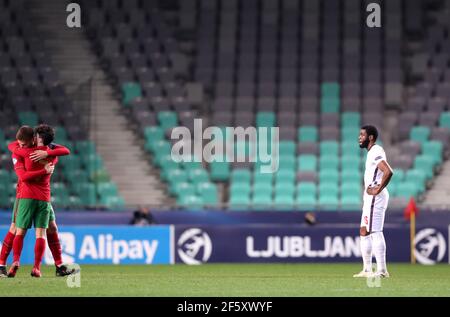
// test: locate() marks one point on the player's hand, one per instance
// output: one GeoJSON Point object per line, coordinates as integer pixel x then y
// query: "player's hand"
{"type": "Point", "coordinates": [49, 167]}
{"type": "Point", "coordinates": [373, 191]}
{"type": "Point", "coordinates": [38, 155]}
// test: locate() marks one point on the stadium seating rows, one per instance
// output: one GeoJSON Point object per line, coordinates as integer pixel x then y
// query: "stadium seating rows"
{"type": "Point", "coordinates": [31, 93]}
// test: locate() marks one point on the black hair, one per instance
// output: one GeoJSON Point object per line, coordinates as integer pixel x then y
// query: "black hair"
{"type": "Point", "coordinates": [371, 130]}
{"type": "Point", "coordinates": [46, 132]}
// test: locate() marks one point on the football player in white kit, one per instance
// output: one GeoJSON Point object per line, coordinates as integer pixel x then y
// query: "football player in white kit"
{"type": "Point", "coordinates": [377, 175]}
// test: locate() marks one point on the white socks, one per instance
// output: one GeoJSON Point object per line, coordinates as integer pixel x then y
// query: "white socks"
{"type": "Point", "coordinates": [379, 249]}
{"type": "Point", "coordinates": [366, 252]}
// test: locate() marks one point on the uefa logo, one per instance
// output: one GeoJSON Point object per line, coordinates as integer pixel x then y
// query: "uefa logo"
{"type": "Point", "coordinates": [430, 246]}
{"type": "Point", "coordinates": [194, 246]}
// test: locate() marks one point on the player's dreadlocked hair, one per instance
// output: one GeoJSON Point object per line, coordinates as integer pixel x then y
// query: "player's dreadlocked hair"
{"type": "Point", "coordinates": [46, 132]}
{"type": "Point", "coordinates": [371, 131]}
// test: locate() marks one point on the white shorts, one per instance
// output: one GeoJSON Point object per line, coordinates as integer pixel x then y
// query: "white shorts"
{"type": "Point", "coordinates": [373, 212]}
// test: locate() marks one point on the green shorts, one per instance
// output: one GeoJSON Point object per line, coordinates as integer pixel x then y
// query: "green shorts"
{"type": "Point", "coordinates": [27, 212]}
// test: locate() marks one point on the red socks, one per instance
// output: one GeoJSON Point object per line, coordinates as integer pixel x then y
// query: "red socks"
{"type": "Point", "coordinates": [17, 247]}
{"type": "Point", "coordinates": [55, 247]}
{"type": "Point", "coordinates": [6, 247]}
{"type": "Point", "coordinates": [39, 249]}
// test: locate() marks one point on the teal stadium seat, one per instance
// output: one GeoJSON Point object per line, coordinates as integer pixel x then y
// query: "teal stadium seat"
{"type": "Point", "coordinates": [444, 120]}
{"type": "Point", "coordinates": [307, 134]}
{"type": "Point", "coordinates": [130, 91]}
{"type": "Point", "coordinates": [351, 120]}
{"type": "Point", "coordinates": [265, 119]}
{"type": "Point", "coordinates": [29, 118]}
{"type": "Point", "coordinates": [167, 119]}
{"type": "Point", "coordinates": [307, 162]}
{"type": "Point", "coordinates": [420, 134]}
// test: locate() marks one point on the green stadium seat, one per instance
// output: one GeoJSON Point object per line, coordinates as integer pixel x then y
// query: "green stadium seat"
{"type": "Point", "coordinates": [175, 175]}
{"type": "Point", "coordinates": [88, 196]}
{"type": "Point", "coordinates": [408, 190]}
{"type": "Point", "coordinates": [198, 176]}
{"type": "Point", "coordinates": [285, 188]}
{"type": "Point", "coordinates": [287, 148]}
{"type": "Point", "coordinates": [60, 135]}
{"type": "Point", "coordinates": [60, 190]}
{"type": "Point", "coordinates": [307, 162]}
{"type": "Point", "coordinates": [434, 149]}
{"type": "Point", "coordinates": [284, 201]}
{"type": "Point", "coordinates": [76, 176]}
{"type": "Point", "coordinates": [191, 165]}
{"type": "Point", "coordinates": [208, 192]}
{"type": "Point", "coordinates": [153, 133]}
{"type": "Point", "coordinates": [425, 163]}
{"type": "Point", "coordinates": [5, 177]}
{"type": "Point", "coordinates": [329, 148]}
{"type": "Point", "coordinates": [161, 147]}
{"type": "Point", "coordinates": [91, 162]}
{"type": "Point", "coordinates": [350, 134]}
{"type": "Point", "coordinates": [444, 120]}
{"type": "Point", "coordinates": [261, 201]}
{"type": "Point", "coordinates": [351, 188]}
{"type": "Point", "coordinates": [284, 176]}
{"type": "Point", "coordinates": [100, 176]}
{"type": "Point", "coordinates": [239, 201]}
{"type": "Point", "coordinates": [265, 119]}
{"type": "Point", "coordinates": [330, 89]}
{"type": "Point", "coordinates": [326, 189]}
{"type": "Point", "coordinates": [167, 119]}
{"type": "Point", "coordinates": [262, 188]}
{"type": "Point", "coordinates": [308, 134]}
{"type": "Point", "coordinates": [85, 148]}
{"type": "Point", "coordinates": [351, 202]}
{"type": "Point", "coordinates": [351, 148]}
{"type": "Point", "coordinates": [113, 202]}
{"type": "Point", "coordinates": [262, 177]}
{"type": "Point", "coordinates": [240, 186]}
{"type": "Point", "coordinates": [420, 134]}
{"type": "Point", "coordinates": [330, 104]}
{"type": "Point", "coordinates": [306, 202]}
{"type": "Point", "coordinates": [287, 162]}
{"type": "Point", "coordinates": [351, 120]}
{"type": "Point", "coordinates": [328, 162]}
{"type": "Point", "coordinates": [130, 91]}
{"type": "Point", "coordinates": [241, 175]}
{"type": "Point", "coordinates": [191, 201]}
{"type": "Point", "coordinates": [329, 176]}
{"type": "Point", "coordinates": [29, 118]}
{"type": "Point", "coordinates": [75, 202]}
{"type": "Point", "coordinates": [349, 162]}
{"type": "Point", "coordinates": [220, 171]}
{"type": "Point", "coordinates": [107, 189]}
{"type": "Point", "coordinates": [328, 201]}
{"type": "Point", "coordinates": [184, 188]}
{"type": "Point", "coordinates": [416, 175]}
{"type": "Point", "coordinates": [307, 189]}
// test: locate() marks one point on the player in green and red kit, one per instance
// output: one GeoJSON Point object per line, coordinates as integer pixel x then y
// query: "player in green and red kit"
{"type": "Point", "coordinates": [34, 203]}
{"type": "Point", "coordinates": [25, 137]}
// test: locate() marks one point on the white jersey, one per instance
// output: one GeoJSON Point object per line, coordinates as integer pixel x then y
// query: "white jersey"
{"type": "Point", "coordinates": [374, 206]}
{"type": "Point", "coordinates": [372, 173]}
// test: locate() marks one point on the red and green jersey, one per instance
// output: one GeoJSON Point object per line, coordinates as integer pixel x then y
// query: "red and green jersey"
{"type": "Point", "coordinates": [34, 182]}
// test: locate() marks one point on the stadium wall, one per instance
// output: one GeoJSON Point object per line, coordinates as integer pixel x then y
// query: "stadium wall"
{"type": "Point", "coordinates": [257, 243]}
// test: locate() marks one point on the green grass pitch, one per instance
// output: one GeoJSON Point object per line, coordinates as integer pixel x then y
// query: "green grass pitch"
{"type": "Point", "coordinates": [232, 280]}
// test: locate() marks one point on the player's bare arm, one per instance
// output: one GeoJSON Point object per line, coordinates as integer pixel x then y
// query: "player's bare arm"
{"type": "Point", "coordinates": [387, 175]}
